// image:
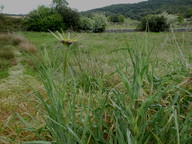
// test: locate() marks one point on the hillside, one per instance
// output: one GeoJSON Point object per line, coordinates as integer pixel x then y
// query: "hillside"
{"type": "Point", "coordinates": [138, 10]}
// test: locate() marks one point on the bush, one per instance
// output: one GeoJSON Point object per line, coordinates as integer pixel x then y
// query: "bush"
{"type": "Point", "coordinates": [114, 18]}
{"type": "Point", "coordinates": [180, 18]}
{"type": "Point", "coordinates": [117, 19]}
{"type": "Point", "coordinates": [100, 23]}
{"type": "Point", "coordinates": [170, 18]}
{"type": "Point", "coordinates": [9, 24]}
{"type": "Point", "coordinates": [70, 17]}
{"type": "Point", "coordinates": [86, 24]}
{"type": "Point", "coordinates": [121, 18]}
{"type": "Point", "coordinates": [154, 23]}
{"type": "Point", "coordinates": [44, 19]}
{"type": "Point", "coordinates": [189, 13]}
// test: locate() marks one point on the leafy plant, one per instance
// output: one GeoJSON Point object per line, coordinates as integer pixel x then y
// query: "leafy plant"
{"type": "Point", "coordinates": [117, 18]}
{"type": "Point", "coordinates": [154, 23]}
{"type": "Point", "coordinates": [9, 24]}
{"type": "Point", "coordinates": [44, 19]}
{"type": "Point", "coordinates": [100, 23]}
{"type": "Point", "coordinates": [86, 24]}
{"type": "Point", "coordinates": [70, 17]}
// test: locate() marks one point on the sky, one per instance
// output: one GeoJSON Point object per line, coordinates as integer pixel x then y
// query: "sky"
{"type": "Point", "coordinates": [25, 6]}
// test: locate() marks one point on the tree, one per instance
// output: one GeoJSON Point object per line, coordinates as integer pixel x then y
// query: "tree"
{"type": "Point", "coordinates": [180, 18]}
{"type": "Point", "coordinates": [44, 19]}
{"type": "Point", "coordinates": [189, 13]}
{"type": "Point", "coordinates": [100, 23]}
{"type": "Point", "coordinates": [117, 18]}
{"type": "Point", "coordinates": [59, 3]}
{"type": "Point", "coordinates": [114, 18]}
{"type": "Point", "coordinates": [70, 17]}
{"type": "Point", "coordinates": [121, 18]}
{"type": "Point", "coordinates": [86, 24]}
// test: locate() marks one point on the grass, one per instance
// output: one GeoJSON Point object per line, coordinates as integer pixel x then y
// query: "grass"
{"type": "Point", "coordinates": [11, 46]}
{"type": "Point", "coordinates": [111, 88]}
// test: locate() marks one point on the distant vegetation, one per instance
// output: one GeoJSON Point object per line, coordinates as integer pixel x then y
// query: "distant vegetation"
{"type": "Point", "coordinates": [44, 19]}
{"type": "Point", "coordinates": [157, 23]}
{"type": "Point", "coordinates": [59, 16]}
{"type": "Point", "coordinates": [141, 9]}
{"type": "Point", "coordinates": [117, 18]}
{"type": "Point", "coordinates": [9, 24]}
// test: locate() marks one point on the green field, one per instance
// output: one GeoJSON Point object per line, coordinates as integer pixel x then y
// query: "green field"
{"type": "Point", "coordinates": [108, 88]}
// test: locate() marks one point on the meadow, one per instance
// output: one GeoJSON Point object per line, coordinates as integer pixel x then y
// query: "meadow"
{"type": "Point", "coordinates": [107, 88]}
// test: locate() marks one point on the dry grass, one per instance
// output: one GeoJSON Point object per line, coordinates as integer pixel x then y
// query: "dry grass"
{"type": "Point", "coordinates": [11, 39]}
{"type": "Point", "coordinates": [11, 46]}
{"type": "Point", "coordinates": [14, 99]}
{"type": "Point", "coordinates": [28, 47]}
{"type": "Point", "coordinates": [17, 40]}
{"type": "Point", "coordinates": [15, 88]}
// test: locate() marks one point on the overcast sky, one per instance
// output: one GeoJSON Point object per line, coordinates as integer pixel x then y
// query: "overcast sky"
{"type": "Point", "coordinates": [25, 6]}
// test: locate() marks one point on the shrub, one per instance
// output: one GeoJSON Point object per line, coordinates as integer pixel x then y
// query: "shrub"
{"type": "Point", "coordinates": [154, 23]}
{"type": "Point", "coordinates": [189, 13]}
{"type": "Point", "coordinates": [117, 18]}
{"type": "Point", "coordinates": [70, 17]}
{"type": "Point", "coordinates": [170, 18]}
{"type": "Point", "coordinates": [121, 18]}
{"type": "Point", "coordinates": [44, 19]}
{"type": "Point", "coordinates": [180, 18]}
{"type": "Point", "coordinates": [10, 24]}
{"type": "Point", "coordinates": [114, 18]}
{"type": "Point", "coordinates": [100, 23]}
{"type": "Point", "coordinates": [86, 24]}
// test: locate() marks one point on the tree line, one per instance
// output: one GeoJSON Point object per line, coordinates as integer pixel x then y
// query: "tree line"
{"type": "Point", "coordinates": [139, 10]}
{"type": "Point", "coordinates": [59, 16]}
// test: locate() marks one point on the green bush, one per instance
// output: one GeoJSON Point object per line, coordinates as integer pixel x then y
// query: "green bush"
{"type": "Point", "coordinates": [86, 24]}
{"type": "Point", "coordinates": [44, 19]}
{"type": "Point", "coordinates": [117, 18]}
{"type": "Point", "coordinates": [154, 23]}
{"type": "Point", "coordinates": [100, 23]}
{"type": "Point", "coordinates": [10, 24]}
{"type": "Point", "coordinates": [121, 18]}
{"type": "Point", "coordinates": [70, 17]}
{"type": "Point", "coordinates": [114, 18]}
{"type": "Point", "coordinates": [180, 18]}
{"type": "Point", "coordinates": [189, 13]}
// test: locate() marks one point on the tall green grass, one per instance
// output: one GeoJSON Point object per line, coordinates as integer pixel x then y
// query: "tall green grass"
{"type": "Point", "coordinates": [80, 106]}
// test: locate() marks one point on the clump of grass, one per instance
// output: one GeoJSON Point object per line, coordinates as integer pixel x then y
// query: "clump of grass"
{"type": "Point", "coordinates": [28, 47]}
{"type": "Point", "coordinates": [16, 40]}
{"type": "Point", "coordinates": [7, 59]}
{"type": "Point", "coordinates": [11, 39]}
{"type": "Point", "coordinates": [11, 44]}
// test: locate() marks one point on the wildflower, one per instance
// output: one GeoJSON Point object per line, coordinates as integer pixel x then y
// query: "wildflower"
{"type": "Point", "coordinates": [65, 41]}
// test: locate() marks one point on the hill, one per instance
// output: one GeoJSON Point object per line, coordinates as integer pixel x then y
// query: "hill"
{"type": "Point", "coordinates": [138, 10]}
